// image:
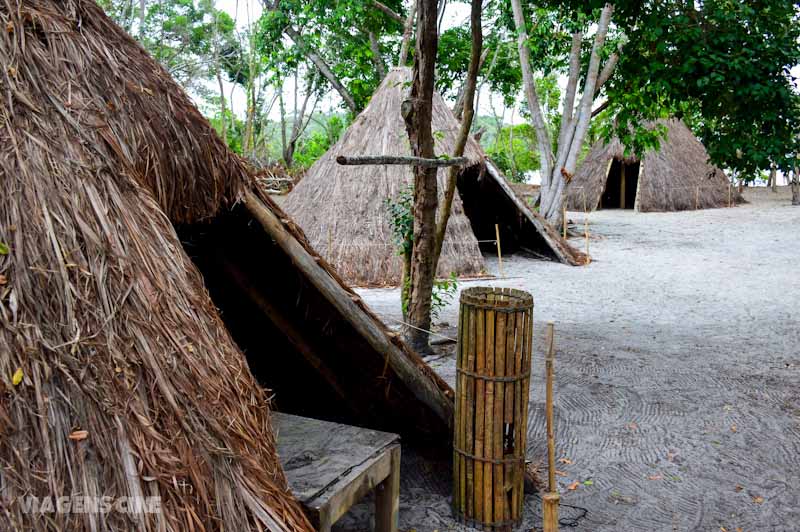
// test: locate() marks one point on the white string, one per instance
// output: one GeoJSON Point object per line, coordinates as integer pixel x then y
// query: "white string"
{"type": "Point", "coordinates": [424, 330]}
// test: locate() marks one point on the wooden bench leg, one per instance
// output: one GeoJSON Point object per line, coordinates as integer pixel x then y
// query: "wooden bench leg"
{"type": "Point", "coordinates": [387, 497]}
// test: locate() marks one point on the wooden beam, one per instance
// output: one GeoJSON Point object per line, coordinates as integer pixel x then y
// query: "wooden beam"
{"type": "Point", "coordinates": [422, 386]}
{"type": "Point", "coordinates": [404, 160]}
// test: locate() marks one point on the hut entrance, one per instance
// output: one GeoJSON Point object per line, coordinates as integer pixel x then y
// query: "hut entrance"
{"type": "Point", "coordinates": [296, 342]}
{"type": "Point", "coordinates": [621, 184]}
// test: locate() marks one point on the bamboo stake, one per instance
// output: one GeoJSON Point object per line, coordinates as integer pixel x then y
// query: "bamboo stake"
{"type": "Point", "coordinates": [497, 428]}
{"type": "Point", "coordinates": [521, 423]}
{"type": "Point", "coordinates": [470, 512]}
{"type": "Point", "coordinates": [551, 445]}
{"type": "Point", "coordinates": [586, 228]}
{"type": "Point", "coordinates": [550, 500]}
{"type": "Point", "coordinates": [499, 254]}
{"type": "Point", "coordinates": [459, 414]}
{"type": "Point", "coordinates": [480, 388]}
{"type": "Point", "coordinates": [508, 420]}
{"type": "Point", "coordinates": [489, 415]}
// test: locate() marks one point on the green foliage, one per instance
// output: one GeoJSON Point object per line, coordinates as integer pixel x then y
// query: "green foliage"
{"type": "Point", "coordinates": [514, 151]}
{"type": "Point", "coordinates": [315, 143]}
{"type": "Point", "coordinates": [443, 292]}
{"type": "Point", "coordinates": [727, 63]}
{"type": "Point", "coordinates": [3, 248]}
{"type": "Point", "coordinates": [401, 219]}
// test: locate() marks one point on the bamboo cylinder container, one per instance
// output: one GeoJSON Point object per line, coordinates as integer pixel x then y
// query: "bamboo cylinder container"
{"type": "Point", "coordinates": [495, 337]}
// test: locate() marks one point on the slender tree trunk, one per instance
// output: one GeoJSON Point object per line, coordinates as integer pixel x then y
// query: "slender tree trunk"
{"type": "Point", "coordinates": [407, 33]}
{"type": "Point", "coordinates": [142, 16]}
{"type": "Point", "coordinates": [773, 178]}
{"type": "Point", "coordinates": [377, 60]}
{"type": "Point", "coordinates": [796, 186]}
{"type": "Point", "coordinates": [417, 113]}
{"type": "Point", "coordinates": [475, 61]}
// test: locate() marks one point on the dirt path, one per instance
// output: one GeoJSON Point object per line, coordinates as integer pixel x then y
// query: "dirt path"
{"type": "Point", "coordinates": [678, 375]}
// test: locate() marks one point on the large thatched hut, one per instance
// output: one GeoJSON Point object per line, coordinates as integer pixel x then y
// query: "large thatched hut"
{"type": "Point", "coordinates": [677, 176]}
{"type": "Point", "coordinates": [125, 223]}
{"type": "Point", "coordinates": [343, 209]}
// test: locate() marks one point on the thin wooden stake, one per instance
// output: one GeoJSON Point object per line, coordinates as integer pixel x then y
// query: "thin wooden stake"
{"type": "Point", "coordinates": [551, 441]}
{"type": "Point", "coordinates": [586, 228]}
{"type": "Point", "coordinates": [730, 189]}
{"type": "Point", "coordinates": [499, 253]}
{"type": "Point", "coordinates": [550, 500]}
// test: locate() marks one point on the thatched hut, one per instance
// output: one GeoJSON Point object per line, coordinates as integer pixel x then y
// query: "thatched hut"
{"type": "Point", "coordinates": [676, 177]}
{"type": "Point", "coordinates": [343, 209]}
{"type": "Point", "coordinates": [125, 223]}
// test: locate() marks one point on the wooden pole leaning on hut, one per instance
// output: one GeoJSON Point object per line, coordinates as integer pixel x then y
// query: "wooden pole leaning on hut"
{"type": "Point", "coordinates": [490, 428]}
{"type": "Point", "coordinates": [551, 499]}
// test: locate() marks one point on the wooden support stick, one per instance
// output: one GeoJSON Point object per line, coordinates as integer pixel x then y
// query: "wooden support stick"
{"type": "Point", "coordinates": [550, 500]}
{"type": "Point", "coordinates": [550, 503]}
{"type": "Point", "coordinates": [730, 189]}
{"type": "Point", "coordinates": [404, 160]}
{"type": "Point", "coordinates": [499, 253]}
{"type": "Point", "coordinates": [551, 440]}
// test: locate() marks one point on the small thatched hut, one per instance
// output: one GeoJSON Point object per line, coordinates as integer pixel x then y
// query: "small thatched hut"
{"type": "Point", "coordinates": [676, 177]}
{"type": "Point", "coordinates": [343, 209]}
{"type": "Point", "coordinates": [124, 223]}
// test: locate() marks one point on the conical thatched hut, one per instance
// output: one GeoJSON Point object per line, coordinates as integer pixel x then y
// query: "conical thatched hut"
{"type": "Point", "coordinates": [343, 209]}
{"type": "Point", "coordinates": [118, 375]}
{"type": "Point", "coordinates": [676, 177]}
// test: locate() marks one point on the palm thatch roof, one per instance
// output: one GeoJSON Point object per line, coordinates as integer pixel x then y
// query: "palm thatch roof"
{"type": "Point", "coordinates": [678, 176]}
{"type": "Point", "coordinates": [343, 209]}
{"type": "Point", "coordinates": [119, 377]}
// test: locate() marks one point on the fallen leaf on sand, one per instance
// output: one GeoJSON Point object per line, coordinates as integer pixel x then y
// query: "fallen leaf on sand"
{"type": "Point", "coordinates": [573, 486]}
{"type": "Point", "coordinates": [78, 435]}
{"type": "Point", "coordinates": [655, 477]}
{"type": "Point", "coordinates": [561, 473]}
{"type": "Point", "coordinates": [738, 488]}
{"type": "Point", "coordinates": [758, 500]}
{"type": "Point", "coordinates": [564, 460]}
{"type": "Point", "coordinates": [632, 426]}
{"type": "Point", "coordinates": [733, 428]}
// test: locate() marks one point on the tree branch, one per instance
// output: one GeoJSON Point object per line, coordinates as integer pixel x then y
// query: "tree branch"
{"type": "Point", "coordinates": [408, 29]}
{"type": "Point", "coordinates": [388, 11]}
{"type": "Point", "coordinates": [400, 160]}
{"type": "Point", "coordinates": [567, 120]}
{"type": "Point", "coordinates": [476, 59]}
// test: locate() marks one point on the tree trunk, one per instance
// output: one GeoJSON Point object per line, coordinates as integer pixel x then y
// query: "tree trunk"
{"type": "Point", "coordinates": [796, 186]}
{"type": "Point", "coordinates": [417, 113]}
{"type": "Point", "coordinates": [773, 178]}
{"type": "Point", "coordinates": [377, 60]}
{"type": "Point", "coordinates": [408, 30]}
{"type": "Point", "coordinates": [476, 60]}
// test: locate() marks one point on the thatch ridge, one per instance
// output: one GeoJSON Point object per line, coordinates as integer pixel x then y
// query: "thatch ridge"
{"type": "Point", "coordinates": [677, 176]}
{"type": "Point", "coordinates": [100, 307]}
{"type": "Point", "coordinates": [349, 202]}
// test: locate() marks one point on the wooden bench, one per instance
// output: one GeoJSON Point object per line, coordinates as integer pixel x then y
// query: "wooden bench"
{"type": "Point", "coordinates": [330, 467]}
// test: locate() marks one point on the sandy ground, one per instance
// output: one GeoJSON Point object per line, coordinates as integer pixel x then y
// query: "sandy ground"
{"type": "Point", "coordinates": [677, 377]}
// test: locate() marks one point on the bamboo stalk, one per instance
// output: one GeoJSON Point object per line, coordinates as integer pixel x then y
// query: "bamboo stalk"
{"type": "Point", "coordinates": [497, 427]}
{"type": "Point", "coordinates": [469, 428]}
{"type": "Point", "coordinates": [550, 502]}
{"type": "Point", "coordinates": [508, 421]}
{"type": "Point", "coordinates": [480, 390]}
{"type": "Point", "coordinates": [520, 423]}
{"type": "Point", "coordinates": [462, 420]}
{"type": "Point", "coordinates": [457, 458]}
{"type": "Point", "coordinates": [551, 445]}
{"type": "Point", "coordinates": [489, 415]}
{"type": "Point", "coordinates": [499, 253]}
